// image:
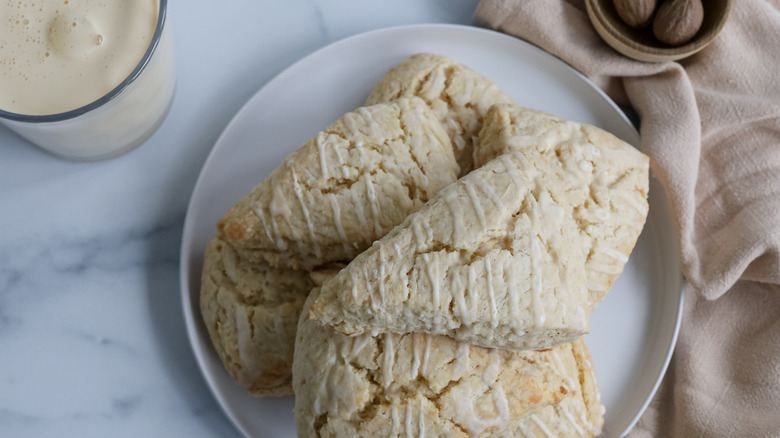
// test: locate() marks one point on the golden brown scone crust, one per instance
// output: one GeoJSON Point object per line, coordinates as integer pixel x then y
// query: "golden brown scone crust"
{"type": "Point", "coordinates": [605, 179]}
{"type": "Point", "coordinates": [458, 95]}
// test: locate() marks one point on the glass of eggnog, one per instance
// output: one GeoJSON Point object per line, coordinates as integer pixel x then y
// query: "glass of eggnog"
{"type": "Point", "coordinates": [85, 80]}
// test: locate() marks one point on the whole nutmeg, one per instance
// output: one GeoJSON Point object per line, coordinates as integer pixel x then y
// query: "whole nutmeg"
{"type": "Point", "coordinates": [635, 13]}
{"type": "Point", "coordinates": [677, 21]}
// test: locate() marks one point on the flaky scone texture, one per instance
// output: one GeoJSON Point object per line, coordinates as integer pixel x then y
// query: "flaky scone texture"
{"type": "Point", "coordinates": [459, 96]}
{"type": "Point", "coordinates": [605, 179]}
{"type": "Point", "coordinates": [580, 412]}
{"type": "Point", "coordinates": [251, 312]}
{"type": "Point", "coordinates": [421, 385]}
{"type": "Point", "coordinates": [351, 184]}
{"type": "Point", "coordinates": [492, 260]}
{"type": "Point", "coordinates": [344, 188]}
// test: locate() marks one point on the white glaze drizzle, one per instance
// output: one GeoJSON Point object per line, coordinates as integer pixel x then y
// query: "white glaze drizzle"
{"type": "Point", "coordinates": [457, 133]}
{"type": "Point", "coordinates": [408, 420]}
{"type": "Point", "coordinates": [491, 371]}
{"type": "Point", "coordinates": [639, 207]}
{"type": "Point", "coordinates": [485, 187]}
{"type": "Point", "coordinates": [514, 298]}
{"type": "Point", "coordinates": [339, 225]}
{"type": "Point", "coordinates": [542, 426]}
{"type": "Point", "coordinates": [299, 195]}
{"type": "Point", "coordinates": [562, 409]}
{"type": "Point", "coordinates": [354, 278]}
{"type": "Point", "coordinates": [511, 170]}
{"type": "Point", "coordinates": [417, 229]}
{"type": "Point", "coordinates": [358, 344]}
{"type": "Point", "coordinates": [558, 363]}
{"type": "Point", "coordinates": [491, 293]}
{"type": "Point", "coordinates": [462, 358]}
{"type": "Point", "coordinates": [374, 206]}
{"type": "Point", "coordinates": [458, 229]}
{"type": "Point", "coordinates": [426, 354]}
{"type": "Point", "coordinates": [373, 127]}
{"type": "Point", "coordinates": [524, 430]}
{"type": "Point", "coordinates": [613, 253]}
{"type": "Point", "coordinates": [389, 359]}
{"type": "Point", "coordinates": [280, 243]}
{"type": "Point", "coordinates": [370, 290]}
{"type": "Point", "coordinates": [536, 282]}
{"type": "Point", "coordinates": [475, 203]}
{"type": "Point", "coordinates": [432, 269]}
{"type": "Point", "coordinates": [421, 420]}
{"type": "Point", "coordinates": [261, 215]}
{"type": "Point", "coordinates": [465, 411]}
{"type": "Point", "coordinates": [605, 269]}
{"type": "Point", "coordinates": [395, 420]}
{"type": "Point", "coordinates": [428, 231]}
{"type": "Point", "coordinates": [321, 144]}
{"type": "Point", "coordinates": [322, 391]}
{"type": "Point", "coordinates": [460, 299]}
{"type": "Point", "coordinates": [340, 158]}
{"type": "Point", "coordinates": [472, 288]}
{"type": "Point", "coordinates": [381, 279]}
{"type": "Point", "coordinates": [401, 270]}
{"type": "Point", "coordinates": [415, 355]}
{"type": "Point", "coordinates": [361, 215]}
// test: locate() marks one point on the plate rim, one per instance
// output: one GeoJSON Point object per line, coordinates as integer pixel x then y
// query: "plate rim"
{"type": "Point", "coordinates": [186, 243]}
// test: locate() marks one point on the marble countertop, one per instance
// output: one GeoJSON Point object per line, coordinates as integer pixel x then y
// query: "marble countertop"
{"type": "Point", "coordinates": [92, 337]}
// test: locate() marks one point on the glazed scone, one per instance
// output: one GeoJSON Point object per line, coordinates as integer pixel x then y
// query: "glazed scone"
{"type": "Point", "coordinates": [250, 307]}
{"type": "Point", "coordinates": [580, 413]}
{"type": "Point", "coordinates": [344, 188]}
{"type": "Point", "coordinates": [419, 385]}
{"type": "Point", "coordinates": [251, 312]}
{"type": "Point", "coordinates": [605, 179]}
{"type": "Point", "coordinates": [492, 260]}
{"type": "Point", "coordinates": [458, 95]}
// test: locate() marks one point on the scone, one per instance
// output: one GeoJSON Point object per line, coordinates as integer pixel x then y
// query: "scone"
{"type": "Point", "coordinates": [331, 184]}
{"type": "Point", "coordinates": [492, 260]}
{"type": "Point", "coordinates": [605, 179]}
{"type": "Point", "coordinates": [458, 95]}
{"type": "Point", "coordinates": [251, 312]}
{"type": "Point", "coordinates": [344, 188]}
{"type": "Point", "coordinates": [421, 385]}
{"type": "Point", "coordinates": [580, 413]}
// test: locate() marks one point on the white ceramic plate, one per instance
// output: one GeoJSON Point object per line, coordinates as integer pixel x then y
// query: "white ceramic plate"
{"type": "Point", "coordinates": [633, 331]}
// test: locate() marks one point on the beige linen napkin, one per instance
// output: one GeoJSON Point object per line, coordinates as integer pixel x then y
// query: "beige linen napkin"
{"type": "Point", "coordinates": [711, 125]}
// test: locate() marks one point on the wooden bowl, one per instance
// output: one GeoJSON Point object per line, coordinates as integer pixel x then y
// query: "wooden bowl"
{"type": "Point", "coordinates": [640, 44]}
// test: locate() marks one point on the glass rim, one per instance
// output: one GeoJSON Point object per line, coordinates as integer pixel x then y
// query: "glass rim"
{"type": "Point", "coordinates": [57, 117]}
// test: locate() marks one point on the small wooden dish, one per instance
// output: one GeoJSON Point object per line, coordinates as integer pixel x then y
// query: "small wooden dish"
{"type": "Point", "coordinates": [640, 44]}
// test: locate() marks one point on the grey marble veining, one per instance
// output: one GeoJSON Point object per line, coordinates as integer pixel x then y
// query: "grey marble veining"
{"type": "Point", "coordinates": [92, 338]}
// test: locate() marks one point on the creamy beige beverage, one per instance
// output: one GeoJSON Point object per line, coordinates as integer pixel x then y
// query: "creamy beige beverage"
{"type": "Point", "coordinates": [59, 55]}
{"type": "Point", "coordinates": [85, 79]}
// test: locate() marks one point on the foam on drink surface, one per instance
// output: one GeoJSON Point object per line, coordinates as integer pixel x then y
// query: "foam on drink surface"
{"type": "Point", "coordinates": [59, 55]}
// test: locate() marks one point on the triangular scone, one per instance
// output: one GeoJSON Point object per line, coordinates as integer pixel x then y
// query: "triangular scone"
{"type": "Point", "coordinates": [344, 188]}
{"type": "Point", "coordinates": [251, 312]}
{"type": "Point", "coordinates": [605, 179]}
{"type": "Point", "coordinates": [458, 95]}
{"type": "Point", "coordinates": [418, 385]}
{"type": "Point", "coordinates": [580, 413]}
{"type": "Point", "coordinates": [492, 260]}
